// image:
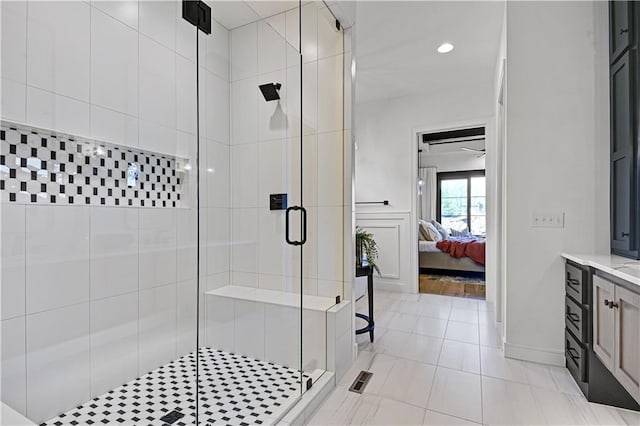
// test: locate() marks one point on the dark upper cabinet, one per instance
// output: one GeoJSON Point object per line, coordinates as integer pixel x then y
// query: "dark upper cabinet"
{"type": "Point", "coordinates": [625, 130]}
{"type": "Point", "coordinates": [620, 18]}
{"type": "Point", "coordinates": [622, 137]}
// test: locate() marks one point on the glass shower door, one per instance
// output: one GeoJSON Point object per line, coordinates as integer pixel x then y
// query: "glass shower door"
{"type": "Point", "coordinates": [250, 350]}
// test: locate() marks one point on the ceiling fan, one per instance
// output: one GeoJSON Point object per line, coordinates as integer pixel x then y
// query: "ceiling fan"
{"type": "Point", "coordinates": [482, 152]}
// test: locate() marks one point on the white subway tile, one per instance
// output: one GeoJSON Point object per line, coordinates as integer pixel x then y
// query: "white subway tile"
{"type": "Point", "coordinates": [271, 49]}
{"type": "Point", "coordinates": [244, 107]}
{"type": "Point", "coordinates": [244, 240]}
{"type": "Point", "coordinates": [273, 170]}
{"type": "Point", "coordinates": [157, 242]}
{"type": "Point", "coordinates": [13, 261]}
{"type": "Point", "coordinates": [114, 342]}
{"type": "Point", "coordinates": [244, 175]}
{"type": "Point", "coordinates": [217, 98]}
{"type": "Point", "coordinates": [217, 51]}
{"type": "Point", "coordinates": [157, 327]}
{"type": "Point", "coordinates": [217, 173]}
{"type": "Point", "coordinates": [330, 248]}
{"type": "Point", "coordinates": [329, 37]}
{"type": "Point", "coordinates": [13, 100]}
{"type": "Point", "coordinates": [249, 329]}
{"type": "Point", "coordinates": [157, 20]}
{"type": "Point", "coordinates": [57, 256]}
{"type": "Point", "coordinates": [282, 335]}
{"type": "Point", "coordinates": [56, 112]}
{"type": "Point", "coordinates": [114, 251]}
{"type": "Point", "coordinates": [218, 244]}
{"type": "Point", "coordinates": [58, 48]}
{"type": "Point", "coordinates": [330, 169]}
{"type": "Point", "coordinates": [220, 323]}
{"type": "Point", "coordinates": [187, 297]}
{"type": "Point", "coordinates": [114, 64]}
{"type": "Point", "coordinates": [244, 52]}
{"type": "Point", "coordinates": [276, 257]}
{"type": "Point", "coordinates": [157, 82]}
{"type": "Point", "coordinates": [185, 95]}
{"type": "Point", "coordinates": [125, 11]}
{"type": "Point", "coordinates": [58, 365]}
{"type": "Point", "coordinates": [114, 127]}
{"type": "Point", "coordinates": [330, 83]}
{"type": "Point", "coordinates": [14, 40]}
{"type": "Point", "coordinates": [14, 374]}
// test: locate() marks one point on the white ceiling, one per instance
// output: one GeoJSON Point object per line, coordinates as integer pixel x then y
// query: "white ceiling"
{"type": "Point", "coordinates": [397, 40]}
{"type": "Point", "coordinates": [235, 13]}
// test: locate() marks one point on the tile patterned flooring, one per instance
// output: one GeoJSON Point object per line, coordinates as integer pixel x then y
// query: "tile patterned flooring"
{"type": "Point", "coordinates": [234, 390]}
{"type": "Point", "coordinates": [436, 361]}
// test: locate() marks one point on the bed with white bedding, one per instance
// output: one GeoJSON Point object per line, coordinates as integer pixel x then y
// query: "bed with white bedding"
{"type": "Point", "coordinates": [431, 257]}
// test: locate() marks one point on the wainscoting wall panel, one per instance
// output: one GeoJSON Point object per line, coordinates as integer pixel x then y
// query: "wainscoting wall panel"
{"type": "Point", "coordinates": [392, 232]}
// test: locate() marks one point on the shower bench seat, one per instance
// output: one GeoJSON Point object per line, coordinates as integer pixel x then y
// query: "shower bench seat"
{"type": "Point", "coordinates": [275, 297]}
{"type": "Point", "coordinates": [265, 324]}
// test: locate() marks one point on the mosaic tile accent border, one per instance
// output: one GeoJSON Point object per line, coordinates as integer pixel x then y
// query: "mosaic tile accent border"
{"type": "Point", "coordinates": [43, 167]}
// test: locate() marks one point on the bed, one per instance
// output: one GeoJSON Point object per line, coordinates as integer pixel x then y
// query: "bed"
{"type": "Point", "coordinates": [432, 257]}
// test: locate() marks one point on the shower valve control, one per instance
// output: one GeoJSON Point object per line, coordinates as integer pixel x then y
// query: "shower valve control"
{"type": "Point", "coordinates": [278, 202]}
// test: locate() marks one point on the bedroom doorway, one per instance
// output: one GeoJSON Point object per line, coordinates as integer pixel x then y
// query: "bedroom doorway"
{"type": "Point", "coordinates": [452, 222]}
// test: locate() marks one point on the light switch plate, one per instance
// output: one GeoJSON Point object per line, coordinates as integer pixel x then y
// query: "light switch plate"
{"type": "Point", "coordinates": [547, 220]}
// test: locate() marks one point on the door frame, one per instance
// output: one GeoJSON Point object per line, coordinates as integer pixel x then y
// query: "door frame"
{"type": "Point", "coordinates": [494, 187]}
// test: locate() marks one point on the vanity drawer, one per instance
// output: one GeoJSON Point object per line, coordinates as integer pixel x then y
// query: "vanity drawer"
{"type": "Point", "coordinates": [576, 280]}
{"type": "Point", "coordinates": [576, 319]}
{"type": "Point", "coordinates": [576, 357]}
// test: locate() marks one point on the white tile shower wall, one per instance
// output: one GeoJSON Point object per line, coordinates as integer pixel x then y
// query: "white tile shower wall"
{"type": "Point", "coordinates": [94, 296]}
{"type": "Point", "coordinates": [265, 151]}
{"type": "Point", "coordinates": [268, 332]}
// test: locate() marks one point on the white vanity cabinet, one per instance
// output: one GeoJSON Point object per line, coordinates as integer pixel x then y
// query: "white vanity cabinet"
{"type": "Point", "coordinates": [616, 331]}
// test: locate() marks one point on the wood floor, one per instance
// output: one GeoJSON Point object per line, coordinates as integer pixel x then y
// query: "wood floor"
{"type": "Point", "coordinates": [444, 287]}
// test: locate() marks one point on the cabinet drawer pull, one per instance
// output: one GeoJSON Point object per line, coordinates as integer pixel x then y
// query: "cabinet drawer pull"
{"type": "Point", "coordinates": [573, 317]}
{"type": "Point", "coordinates": [623, 30]}
{"type": "Point", "coordinates": [624, 234]}
{"type": "Point", "coordinates": [573, 282]}
{"type": "Point", "coordinates": [573, 354]}
{"type": "Point", "coordinates": [610, 303]}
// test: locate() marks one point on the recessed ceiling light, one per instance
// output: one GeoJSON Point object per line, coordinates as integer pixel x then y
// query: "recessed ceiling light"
{"type": "Point", "coordinates": [445, 48]}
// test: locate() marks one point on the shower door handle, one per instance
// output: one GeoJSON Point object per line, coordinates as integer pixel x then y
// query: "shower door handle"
{"type": "Point", "coordinates": [304, 225]}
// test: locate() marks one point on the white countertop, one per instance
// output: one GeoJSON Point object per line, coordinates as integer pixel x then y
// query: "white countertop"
{"type": "Point", "coordinates": [621, 267]}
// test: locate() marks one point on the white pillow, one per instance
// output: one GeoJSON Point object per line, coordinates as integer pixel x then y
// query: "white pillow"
{"type": "Point", "coordinates": [441, 229]}
{"type": "Point", "coordinates": [432, 232]}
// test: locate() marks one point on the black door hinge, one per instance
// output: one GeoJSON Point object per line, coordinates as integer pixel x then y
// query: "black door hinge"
{"type": "Point", "coordinates": [197, 13]}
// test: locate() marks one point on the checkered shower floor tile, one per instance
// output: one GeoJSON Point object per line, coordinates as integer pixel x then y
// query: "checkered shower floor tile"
{"type": "Point", "coordinates": [234, 389]}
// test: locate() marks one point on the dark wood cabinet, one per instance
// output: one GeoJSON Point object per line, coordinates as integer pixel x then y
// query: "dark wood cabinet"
{"type": "Point", "coordinates": [590, 343]}
{"type": "Point", "coordinates": [624, 17]}
{"type": "Point", "coordinates": [620, 16]}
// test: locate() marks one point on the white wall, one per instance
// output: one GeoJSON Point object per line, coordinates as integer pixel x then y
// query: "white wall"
{"type": "Point", "coordinates": [100, 295]}
{"type": "Point", "coordinates": [384, 129]}
{"type": "Point", "coordinates": [556, 139]}
{"type": "Point", "coordinates": [386, 163]}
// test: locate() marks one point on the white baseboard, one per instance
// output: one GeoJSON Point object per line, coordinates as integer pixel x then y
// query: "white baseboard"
{"type": "Point", "coordinates": [528, 353]}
